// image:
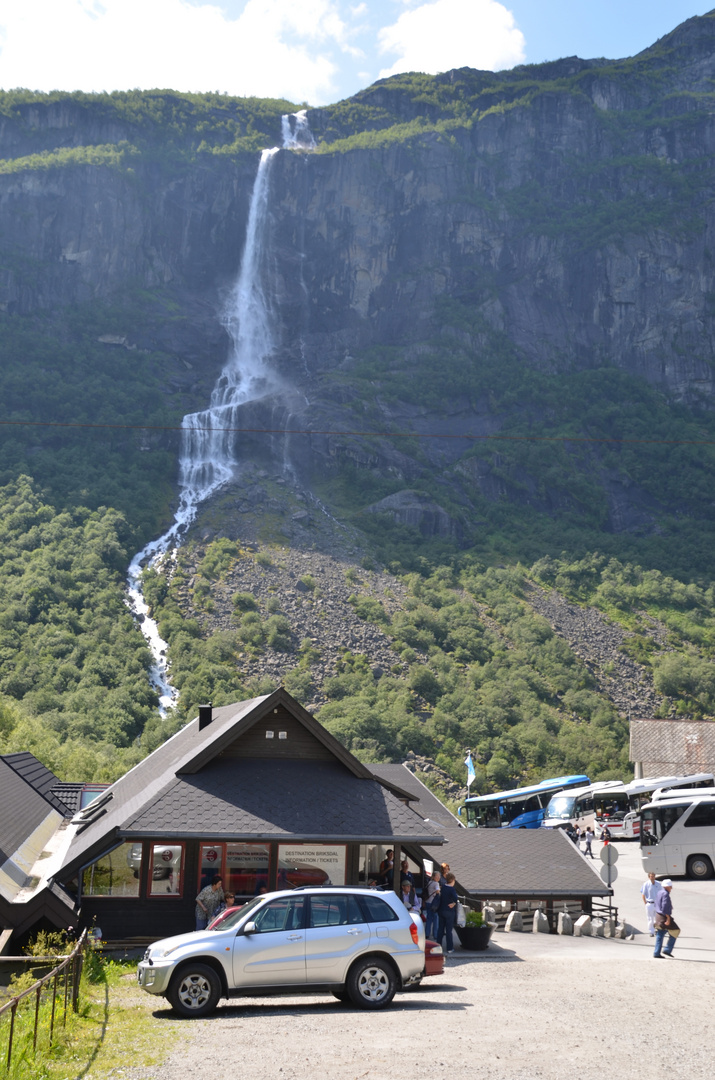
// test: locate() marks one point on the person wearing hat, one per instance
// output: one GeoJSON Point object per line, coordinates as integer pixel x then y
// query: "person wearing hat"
{"type": "Point", "coordinates": [663, 919]}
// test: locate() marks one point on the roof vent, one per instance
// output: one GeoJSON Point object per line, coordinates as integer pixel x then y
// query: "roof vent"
{"type": "Point", "coordinates": [205, 715]}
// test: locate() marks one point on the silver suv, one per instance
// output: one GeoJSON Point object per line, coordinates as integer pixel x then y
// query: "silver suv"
{"type": "Point", "coordinates": [361, 945]}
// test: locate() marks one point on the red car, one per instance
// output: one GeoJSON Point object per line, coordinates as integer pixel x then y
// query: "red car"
{"type": "Point", "coordinates": [434, 958]}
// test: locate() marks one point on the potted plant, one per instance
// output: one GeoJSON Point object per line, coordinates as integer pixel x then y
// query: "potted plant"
{"type": "Point", "coordinates": [475, 935]}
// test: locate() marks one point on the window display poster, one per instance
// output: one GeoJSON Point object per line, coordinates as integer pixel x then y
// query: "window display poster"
{"type": "Point", "coordinates": [310, 864]}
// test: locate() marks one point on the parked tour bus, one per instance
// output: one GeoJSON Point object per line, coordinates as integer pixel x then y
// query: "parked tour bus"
{"type": "Point", "coordinates": [521, 808]}
{"type": "Point", "coordinates": [650, 788]}
{"type": "Point", "coordinates": [677, 835]}
{"type": "Point", "coordinates": [614, 804]}
{"type": "Point", "coordinates": [592, 805]}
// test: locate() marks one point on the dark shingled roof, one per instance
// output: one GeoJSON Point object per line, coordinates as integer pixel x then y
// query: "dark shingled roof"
{"type": "Point", "coordinates": [400, 778]}
{"type": "Point", "coordinates": [38, 776]}
{"type": "Point", "coordinates": [22, 810]}
{"type": "Point", "coordinates": [259, 798]}
{"type": "Point", "coordinates": [519, 863]}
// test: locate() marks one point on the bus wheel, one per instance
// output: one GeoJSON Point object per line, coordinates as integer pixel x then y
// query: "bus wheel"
{"type": "Point", "coordinates": [700, 867]}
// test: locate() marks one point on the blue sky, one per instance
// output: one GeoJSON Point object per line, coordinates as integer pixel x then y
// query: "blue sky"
{"type": "Point", "coordinates": [317, 51]}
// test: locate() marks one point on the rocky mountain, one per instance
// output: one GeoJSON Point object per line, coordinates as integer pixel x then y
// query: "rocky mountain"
{"type": "Point", "coordinates": [463, 258]}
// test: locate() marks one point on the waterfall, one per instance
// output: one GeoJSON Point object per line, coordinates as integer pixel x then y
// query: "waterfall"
{"type": "Point", "coordinates": [207, 457]}
{"type": "Point", "coordinates": [296, 133]}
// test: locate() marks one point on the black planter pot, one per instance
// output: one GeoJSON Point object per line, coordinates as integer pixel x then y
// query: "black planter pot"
{"type": "Point", "coordinates": [474, 938]}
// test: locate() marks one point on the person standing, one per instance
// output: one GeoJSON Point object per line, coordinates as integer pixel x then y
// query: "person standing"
{"type": "Point", "coordinates": [663, 920]}
{"type": "Point", "coordinates": [431, 905]}
{"type": "Point", "coordinates": [649, 891]}
{"type": "Point", "coordinates": [589, 837]}
{"type": "Point", "coordinates": [208, 903]}
{"type": "Point", "coordinates": [448, 900]}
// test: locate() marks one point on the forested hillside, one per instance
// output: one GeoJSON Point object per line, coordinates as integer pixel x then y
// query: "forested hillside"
{"type": "Point", "coordinates": [475, 510]}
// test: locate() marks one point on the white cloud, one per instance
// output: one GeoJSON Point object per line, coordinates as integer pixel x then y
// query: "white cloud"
{"type": "Point", "coordinates": [449, 34]}
{"type": "Point", "coordinates": [272, 48]}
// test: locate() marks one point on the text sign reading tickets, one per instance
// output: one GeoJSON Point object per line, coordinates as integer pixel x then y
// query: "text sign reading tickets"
{"type": "Point", "coordinates": [310, 864]}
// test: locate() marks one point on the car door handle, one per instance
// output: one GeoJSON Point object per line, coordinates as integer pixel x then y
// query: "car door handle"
{"type": "Point", "coordinates": [356, 932]}
{"type": "Point", "coordinates": [295, 937]}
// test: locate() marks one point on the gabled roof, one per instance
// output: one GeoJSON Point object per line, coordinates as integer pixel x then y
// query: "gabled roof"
{"type": "Point", "coordinates": [197, 784]}
{"type": "Point", "coordinates": [519, 863]}
{"type": "Point", "coordinates": [22, 811]}
{"type": "Point", "coordinates": [38, 776]}
{"type": "Point", "coordinates": [682, 746]}
{"type": "Point", "coordinates": [403, 782]}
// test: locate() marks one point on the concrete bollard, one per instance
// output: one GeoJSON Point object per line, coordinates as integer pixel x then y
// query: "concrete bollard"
{"type": "Point", "coordinates": [541, 923]}
{"type": "Point", "coordinates": [490, 915]}
{"type": "Point", "coordinates": [597, 927]}
{"type": "Point", "coordinates": [621, 930]}
{"type": "Point", "coordinates": [514, 922]}
{"type": "Point", "coordinates": [609, 928]}
{"type": "Point", "coordinates": [582, 927]}
{"type": "Point", "coordinates": [565, 924]}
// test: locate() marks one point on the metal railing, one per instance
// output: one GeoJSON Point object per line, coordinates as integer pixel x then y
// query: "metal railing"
{"type": "Point", "coordinates": [62, 984]}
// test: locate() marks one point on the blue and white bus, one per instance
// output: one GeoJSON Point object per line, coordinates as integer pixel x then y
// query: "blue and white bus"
{"type": "Point", "coordinates": [522, 808]}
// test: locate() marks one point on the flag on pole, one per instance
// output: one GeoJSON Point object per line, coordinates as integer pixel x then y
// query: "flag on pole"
{"type": "Point", "coordinates": [471, 775]}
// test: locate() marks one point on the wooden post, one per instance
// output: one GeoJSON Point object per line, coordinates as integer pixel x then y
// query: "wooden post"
{"type": "Point", "coordinates": [396, 872]}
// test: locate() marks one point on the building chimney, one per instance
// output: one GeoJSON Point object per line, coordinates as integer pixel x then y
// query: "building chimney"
{"type": "Point", "coordinates": [205, 715]}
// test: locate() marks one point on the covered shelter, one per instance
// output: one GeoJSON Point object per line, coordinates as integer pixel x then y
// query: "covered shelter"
{"type": "Point", "coordinates": [518, 865]}
{"type": "Point", "coordinates": [663, 747]}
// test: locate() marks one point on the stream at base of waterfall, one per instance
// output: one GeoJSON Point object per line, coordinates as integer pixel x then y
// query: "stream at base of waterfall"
{"type": "Point", "coordinates": [208, 458]}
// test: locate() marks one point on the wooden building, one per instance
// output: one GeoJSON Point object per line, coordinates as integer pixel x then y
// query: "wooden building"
{"type": "Point", "coordinates": [258, 792]}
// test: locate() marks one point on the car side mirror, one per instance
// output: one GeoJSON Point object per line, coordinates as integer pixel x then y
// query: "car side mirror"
{"type": "Point", "coordinates": [250, 927]}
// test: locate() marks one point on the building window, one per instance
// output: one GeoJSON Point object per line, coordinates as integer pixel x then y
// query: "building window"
{"type": "Point", "coordinates": [115, 874]}
{"type": "Point", "coordinates": [244, 867]}
{"type": "Point", "coordinates": [310, 864]}
{"type": "Point", "coordinates": [166, 869]}
{"type": "Point", "coordinates": [247, 867]}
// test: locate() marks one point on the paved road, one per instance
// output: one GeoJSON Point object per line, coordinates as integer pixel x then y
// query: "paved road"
{"type": "Point", "coordinates": [693, 905]}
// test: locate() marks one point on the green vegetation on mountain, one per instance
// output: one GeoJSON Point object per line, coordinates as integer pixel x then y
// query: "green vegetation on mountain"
{"type": "Point", "coordinates": [78, 415]}
{"type": "Point", "coordinates": [74, 685]}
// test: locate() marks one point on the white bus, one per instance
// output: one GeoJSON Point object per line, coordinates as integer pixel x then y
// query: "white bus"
{"type": "Point", "coordinates": [677, 836]}
{"type": "Point", "coordinates": [649, 788]}
{"type": "Point", "coordinates": [594, 806]}
{"type": "Point", "coordinates": [614, 804]}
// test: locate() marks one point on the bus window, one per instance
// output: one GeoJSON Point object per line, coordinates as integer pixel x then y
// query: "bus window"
{"type": "Point", "coordinates": [657, 821]}
{"type": "Point", "coordinates": [702, 815]}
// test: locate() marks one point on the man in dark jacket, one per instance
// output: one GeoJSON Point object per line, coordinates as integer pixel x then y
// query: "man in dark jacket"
{"type": "Point", "coordinates": [663, 919]}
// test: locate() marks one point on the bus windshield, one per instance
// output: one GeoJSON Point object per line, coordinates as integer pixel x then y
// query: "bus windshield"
{"type": "Point", "coordinates": [560, 808]}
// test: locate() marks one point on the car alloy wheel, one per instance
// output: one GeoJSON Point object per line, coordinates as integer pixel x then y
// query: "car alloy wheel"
{"type": "Point", "coordinates": [372, 983]}
{"type": "Point", "coordinates": [195, 991]}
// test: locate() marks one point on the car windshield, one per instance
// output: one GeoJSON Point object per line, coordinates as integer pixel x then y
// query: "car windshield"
{"type": "Point", "coordinates": [235, 917]}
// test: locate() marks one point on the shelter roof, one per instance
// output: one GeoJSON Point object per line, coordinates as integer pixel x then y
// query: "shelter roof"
{"type": "Point", "coordinates": [519, 863]}
{"type": "Point", "coordinates": [403, 781]}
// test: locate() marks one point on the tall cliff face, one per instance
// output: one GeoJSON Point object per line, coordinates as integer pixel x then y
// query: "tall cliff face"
{"type": "Point", "coordinates": [458, 251]}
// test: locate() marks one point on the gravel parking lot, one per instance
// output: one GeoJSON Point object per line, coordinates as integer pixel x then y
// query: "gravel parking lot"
{"type": "Point", "coordinates": [533, 1007]}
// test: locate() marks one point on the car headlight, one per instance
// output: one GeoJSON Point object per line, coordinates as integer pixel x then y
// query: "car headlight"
{"type": "Point", "coordinates": [158, 954]}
